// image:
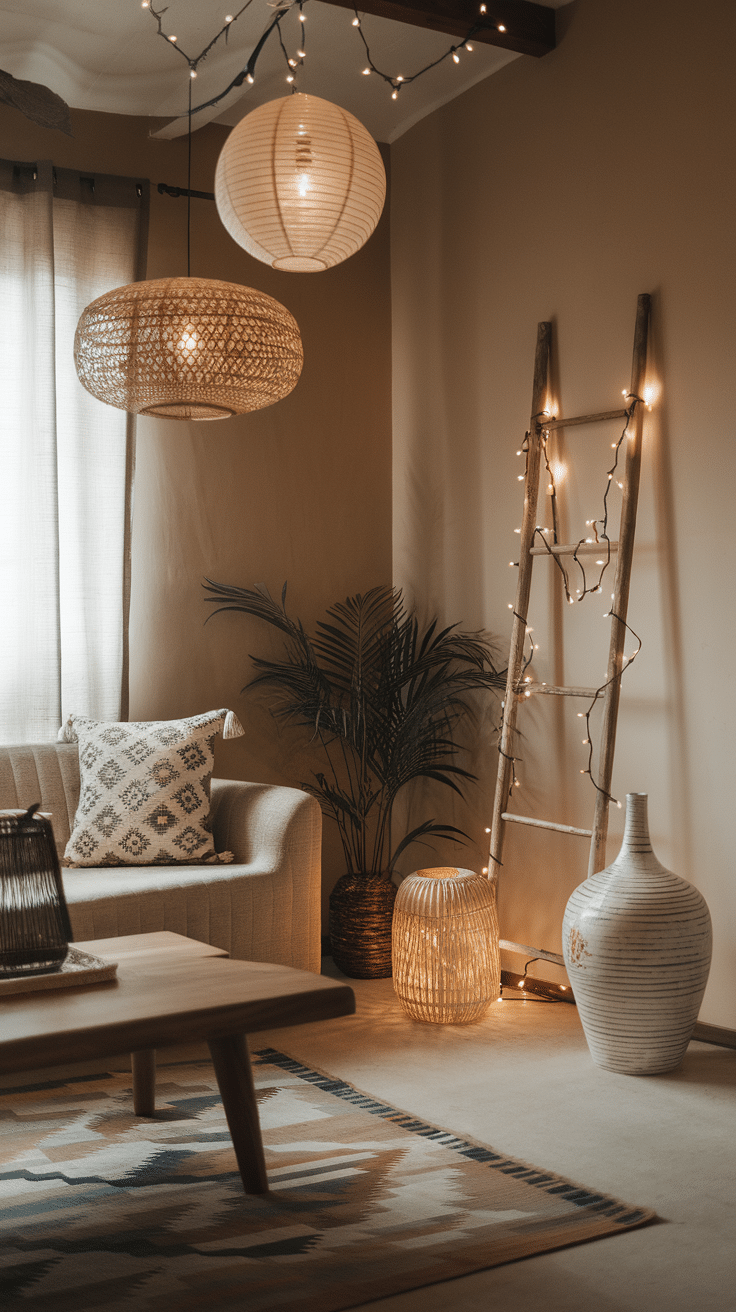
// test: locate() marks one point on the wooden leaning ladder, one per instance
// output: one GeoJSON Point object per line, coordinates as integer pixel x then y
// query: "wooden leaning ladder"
{"type": "Point", "coordinates": [516, 689]}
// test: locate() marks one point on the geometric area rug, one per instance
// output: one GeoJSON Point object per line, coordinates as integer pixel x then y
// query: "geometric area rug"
{"type": "Point", "coordinates": [101, 1211]}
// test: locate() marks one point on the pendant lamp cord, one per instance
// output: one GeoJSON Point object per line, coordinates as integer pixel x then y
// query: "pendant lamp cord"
{"type": "Point", "coordinates": [189, 186]}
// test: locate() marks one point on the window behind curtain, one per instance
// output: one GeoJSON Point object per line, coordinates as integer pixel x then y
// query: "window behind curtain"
{"type": "Point", "coordinates": [66, 459]}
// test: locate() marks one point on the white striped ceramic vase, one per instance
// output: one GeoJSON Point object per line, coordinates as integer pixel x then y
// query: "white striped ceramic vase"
{"type": "Point", "coordinates": [637, 946]}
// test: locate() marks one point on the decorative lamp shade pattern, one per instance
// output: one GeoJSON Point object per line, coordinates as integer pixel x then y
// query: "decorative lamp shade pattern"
{"type": "Point", "coordinates": [446, 962]}
{"type": "Point", "coordinates": [300, 184]}
{"type": "Point", "coordinates": [188, 348]}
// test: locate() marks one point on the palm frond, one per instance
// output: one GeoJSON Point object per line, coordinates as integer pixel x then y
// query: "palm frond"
{"type": "Point", "coordinates": [419, 834]}
{"type": "Point", "coordinates": [383, 698]}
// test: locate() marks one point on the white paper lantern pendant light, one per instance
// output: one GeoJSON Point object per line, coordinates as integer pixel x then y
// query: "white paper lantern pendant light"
{"type": "Point", "coordinates": [300, 184]}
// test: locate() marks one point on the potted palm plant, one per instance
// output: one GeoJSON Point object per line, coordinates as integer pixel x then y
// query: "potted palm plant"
{"type": "Point", "coordinates": [381, 697]}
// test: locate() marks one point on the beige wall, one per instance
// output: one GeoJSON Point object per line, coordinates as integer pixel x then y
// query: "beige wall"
{"type": "Point", "coordinates": [559, 189]}
{"type": "Point", "coordinates": [300, 491]}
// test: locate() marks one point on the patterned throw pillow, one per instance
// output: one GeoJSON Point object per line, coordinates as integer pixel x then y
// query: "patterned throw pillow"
{"type": "Point", "coordinates": [144, 795]}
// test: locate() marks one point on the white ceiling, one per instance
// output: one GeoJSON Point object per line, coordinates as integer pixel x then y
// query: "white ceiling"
{"type": "Point", "coordinates": [107, 55]}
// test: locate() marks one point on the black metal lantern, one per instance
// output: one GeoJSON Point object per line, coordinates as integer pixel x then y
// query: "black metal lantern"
{"type": "Point", "coordinates": [34, 921]}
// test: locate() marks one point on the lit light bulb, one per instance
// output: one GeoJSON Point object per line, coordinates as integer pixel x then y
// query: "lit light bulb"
{"type": "Point", "coordinates": [394, 95]}
{"type": "Point", "coordinates": [501, 27]}
{"type": "Point", "coordinates": [399, 78]}
{"type": "Point", "coordinates": [356, 22]}
{"type": "Point", "coordinates": [302, 18]}
{"type": "Point", "coordinates": [366, 71]}
{"type": "Point", "coordinates": [250, 79]}
{"type": "Point", "coordinates": [302, 54]}
{"type": "Point", "coordinates": [484, 871]}
{"type": "Point", "coordinates": [228, 18]}
{"type": "Point", "coordinates": [145, 4]}
{"type": "Point", "coordinates": [172, 38]}
{"type": "Point", "coordinates": [292, 63]}
{"type": "Point", "coordinates": [468, 47]}
{"type": "Point", "coordinates": [487, 829]}
{"type": "Point", "coordinates": [192, 72]}
{"type": "Point", "coordinates": [188, 342]}
{"type": "Point", "coordinates": [456, 57]}
{"type": "Point", "coordinates": [290, 78]}
{"type": "Point", "coordinates": [483, 9]}
{"type": "Point", "coordinates": [517, 530]}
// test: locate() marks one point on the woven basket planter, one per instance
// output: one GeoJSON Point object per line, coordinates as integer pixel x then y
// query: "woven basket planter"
{"type": "Point", "coordinates": [446, 961]}
{"type": "Point", "coordinates": [361, 912]}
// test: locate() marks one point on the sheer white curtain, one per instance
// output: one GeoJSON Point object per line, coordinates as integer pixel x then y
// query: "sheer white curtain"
{"type": "Point", "coordinates": [66, 460]}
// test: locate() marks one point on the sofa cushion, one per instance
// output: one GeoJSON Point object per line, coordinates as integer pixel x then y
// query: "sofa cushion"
{"type": "Point", "coordinates": [144, 794]}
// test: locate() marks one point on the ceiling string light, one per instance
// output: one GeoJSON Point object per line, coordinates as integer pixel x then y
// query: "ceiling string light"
{"type": "Point", "coordinates": [188, 348]}
{"type": "Point", "coordinates": [399, 81]}
{"type": "Point", "coordinates": [247, 74]}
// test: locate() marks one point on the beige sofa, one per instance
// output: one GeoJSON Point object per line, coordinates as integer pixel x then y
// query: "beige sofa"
{"type": "Point", "coordinates": [263, 907]}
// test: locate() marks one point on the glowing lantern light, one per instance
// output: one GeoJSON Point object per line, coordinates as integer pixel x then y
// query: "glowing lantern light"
{"type": "Point", "coordinates": [446, 962]}
{"type": "Point", "coordinates": [187, 348]}
{"type": "Point", "coordinates": [300, 184]}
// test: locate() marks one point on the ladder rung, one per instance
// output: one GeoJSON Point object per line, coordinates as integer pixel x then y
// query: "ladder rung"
{"type": "Point", "coordinates": [575, 548]}
{"type": "Point", "coordinates": [549, 690]}
{"type": "Point", "coordinates": [585, 419]}
{"type": "Point", "coordinates": [546, 824]}
{"type": "Point", "coordinates": [540, 954]}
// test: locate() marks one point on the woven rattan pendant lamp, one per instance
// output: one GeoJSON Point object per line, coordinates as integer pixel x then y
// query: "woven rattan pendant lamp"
{"type": "Point", "coordinates": [300, 184]}
{"type": "Point", "coordinates": [187, 348]}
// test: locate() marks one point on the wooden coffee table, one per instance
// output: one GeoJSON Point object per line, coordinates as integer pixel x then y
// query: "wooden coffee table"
{"type": "Point", "coordinates": [169, 990]}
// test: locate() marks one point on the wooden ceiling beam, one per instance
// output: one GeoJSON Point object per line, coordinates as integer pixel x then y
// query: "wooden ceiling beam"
{"type": "Point", "coordinates": [519, 25]}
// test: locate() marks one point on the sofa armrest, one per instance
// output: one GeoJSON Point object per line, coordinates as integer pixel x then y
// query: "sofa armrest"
{"type": "Point", "coordinates": [278, 831]}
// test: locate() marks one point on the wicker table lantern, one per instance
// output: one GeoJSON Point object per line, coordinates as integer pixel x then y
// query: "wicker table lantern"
{"type": "Point", "coordinates": [446, 963]}
{"type": "Point", "coordinates": [34, 921]}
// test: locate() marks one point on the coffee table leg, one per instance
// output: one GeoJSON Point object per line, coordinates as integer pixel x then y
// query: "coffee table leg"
{"type": "Point", "coordinates": [235, 1079]}
{"type": "Point", "coordinates": [143, 1064]}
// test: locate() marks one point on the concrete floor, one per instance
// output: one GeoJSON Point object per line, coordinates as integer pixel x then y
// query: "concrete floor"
{"type": "Point", "coordinates": [522, 1080]}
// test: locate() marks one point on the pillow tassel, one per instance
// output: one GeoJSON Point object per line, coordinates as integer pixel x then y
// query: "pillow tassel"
{"type": "Point", "coordinates": [67, 732]}
{"type": "Point", "coordinates": [232, 727]}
